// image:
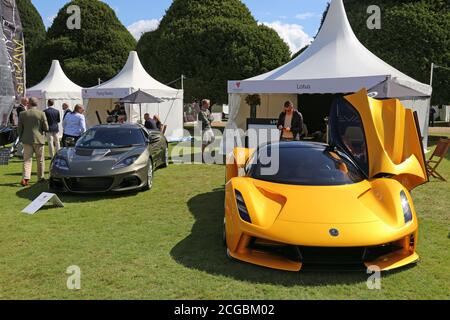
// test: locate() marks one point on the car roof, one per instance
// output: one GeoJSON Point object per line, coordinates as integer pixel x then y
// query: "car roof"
{"type": "Point", "coordinates": [297, 145]}
{"type": "Point", "coordinates": [119, 125]}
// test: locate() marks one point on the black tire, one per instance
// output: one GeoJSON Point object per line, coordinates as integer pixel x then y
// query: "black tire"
{"type": "Point", "coordinates": [165, 162]}
{"type": "Point", "coordinates": [150, 171]}
{"type": "Point", "coordinates": [224, 234]}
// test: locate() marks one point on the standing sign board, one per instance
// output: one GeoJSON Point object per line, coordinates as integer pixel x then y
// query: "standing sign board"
{"type": "Point", "coordinates": [41, 201]}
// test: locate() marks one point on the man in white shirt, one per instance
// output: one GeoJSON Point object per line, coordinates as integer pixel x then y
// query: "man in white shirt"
{"type": "Point", "coordinates": [74, 124]}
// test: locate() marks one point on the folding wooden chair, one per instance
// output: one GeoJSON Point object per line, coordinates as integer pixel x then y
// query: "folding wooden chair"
{"type": "Point", "coordinates": [439, 154]}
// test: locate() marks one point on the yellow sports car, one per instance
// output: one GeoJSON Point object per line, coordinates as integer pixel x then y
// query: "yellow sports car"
{"type": "Point", "coordinates": [297, 205]}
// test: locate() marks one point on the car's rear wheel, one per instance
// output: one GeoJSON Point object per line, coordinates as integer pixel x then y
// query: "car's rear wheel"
{"type": "Point", "coordinates": [166, 158]}
{"type": "Point", "coordinates": [150, 171]}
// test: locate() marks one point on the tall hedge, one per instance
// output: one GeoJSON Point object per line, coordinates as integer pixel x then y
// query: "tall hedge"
{"type": "Point", "coordinates": [413, 34]}
{"type": "Point", "coordinates": [34, 34]}
{"type": "Point", "coordinates": [211, 42]}
{"type": "Point", "coordinates": [97, 50]}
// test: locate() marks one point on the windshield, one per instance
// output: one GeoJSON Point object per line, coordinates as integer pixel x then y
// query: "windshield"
{"type": "Point", "coordinates": [309, 166]}
{"type": "Point", "coordinates": [111, 138]}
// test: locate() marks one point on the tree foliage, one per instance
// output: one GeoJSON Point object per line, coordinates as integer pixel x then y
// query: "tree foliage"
{"type": "Point", "coordinates": [34, 34]}
{"type": "Point", "coordinates": [98, 50]}
{"type": "Point", "coordinates": [413, 34]}
{"type": "Point", "coordinates": [211, 42]}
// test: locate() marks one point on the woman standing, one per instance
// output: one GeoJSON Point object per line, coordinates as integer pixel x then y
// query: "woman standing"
{"type": "Point", "coordinates": [74, 124]}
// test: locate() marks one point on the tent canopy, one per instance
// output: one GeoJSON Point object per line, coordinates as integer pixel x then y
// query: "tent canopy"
{"type": "Point", "coordinates": [56, 85]}
{"type": "Point", "coordinates": [130, 79]}
{"type": "Point", "coordinates": [133, 78]}
{"type": "Point", "coordinates": [336, 62]}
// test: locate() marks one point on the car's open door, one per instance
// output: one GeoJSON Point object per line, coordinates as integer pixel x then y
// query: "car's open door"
{"type": "Point", "coordinates": [382, 136]}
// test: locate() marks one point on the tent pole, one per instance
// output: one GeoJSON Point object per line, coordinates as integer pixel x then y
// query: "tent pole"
{"type": "Point", "coordinates": [432, 74]}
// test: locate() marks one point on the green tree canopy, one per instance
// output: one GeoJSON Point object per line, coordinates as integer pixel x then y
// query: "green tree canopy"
{"type": "Point", "coordinates": [97, 50]}
{"type": "Point", "coordinates": [34, 34]}
{"type": "Point", "coordinates": [211, 42]}
{"type": "Point", "coordinates": [413, 34]}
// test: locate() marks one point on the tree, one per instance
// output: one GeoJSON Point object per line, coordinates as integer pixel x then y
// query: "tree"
{"type": "Point", "coordinates": [98, 49]}
{"type": "Point", "coordinates": [211, 42]}
{"type": "Point", "coordinates": [413, 34]}
{"type": "Point", "coordinates": [34, 34]}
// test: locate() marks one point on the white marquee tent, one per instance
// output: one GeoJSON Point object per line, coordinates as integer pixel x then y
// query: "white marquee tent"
{"type": "Point", "coordinates": [336, 62]}
{"type": "Point", "coordinates": [57, 86]}
{"type": "Point", "coordinates": [132, 78]}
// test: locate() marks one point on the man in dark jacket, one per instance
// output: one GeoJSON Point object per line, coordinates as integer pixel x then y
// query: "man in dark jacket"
{"type": "Point", "coordinates": [15, 114]}
{"type": "Point", "coordinates": [290, 123]}
{"type": "Point", "coordinates": [53, 120]}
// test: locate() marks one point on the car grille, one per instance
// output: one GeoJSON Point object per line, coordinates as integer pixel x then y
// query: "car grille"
{"type": "Point", "coordinates": [324, 258]}
{"type": "Point", "coordinates": [89, 184]}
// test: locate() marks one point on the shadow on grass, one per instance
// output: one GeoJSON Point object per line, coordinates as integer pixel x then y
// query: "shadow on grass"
{"type": "Point", "coordinates": [32, 192]}
{"type": "Point", "coordinates": [204, 250]}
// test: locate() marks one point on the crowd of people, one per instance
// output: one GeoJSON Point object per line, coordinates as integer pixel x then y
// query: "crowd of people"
{"type": "Point", "coordinates": [35, 127]}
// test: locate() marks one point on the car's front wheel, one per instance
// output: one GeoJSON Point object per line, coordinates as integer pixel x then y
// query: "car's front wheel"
{"type": "Point", "coordinates": [150, 171]}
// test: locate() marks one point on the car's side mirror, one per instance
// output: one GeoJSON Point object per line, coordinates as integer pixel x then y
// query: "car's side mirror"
{"type": "Point", "coordinates": [241, 156]}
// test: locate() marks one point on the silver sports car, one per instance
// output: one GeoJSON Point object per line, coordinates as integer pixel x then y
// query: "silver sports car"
{"type": "Point", "coordinates": [110, 158]}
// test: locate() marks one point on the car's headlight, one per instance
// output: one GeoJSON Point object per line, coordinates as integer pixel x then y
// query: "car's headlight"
{"type": "Point", "coordinates": [60, 163]}
{"type": "Point", "coordinates": [242, 208]}
{"type": "Point", "coordinates": [407, 212]}
{"type": "Point", "coordinates": [126, 162]}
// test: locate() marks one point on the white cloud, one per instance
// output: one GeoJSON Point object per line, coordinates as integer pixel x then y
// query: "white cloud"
{"type": "Point", "coordinates": [49, 20]}
{"type": "Point", "coordinates": [307, 15]}
{"type": "Point", "coordinates": [142, 26]}
{"type": "Point", "coordinates": [292, 34]}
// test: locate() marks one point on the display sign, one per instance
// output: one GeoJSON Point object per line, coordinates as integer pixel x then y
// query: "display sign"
{"type": "Point", "coordinates": [262, 131]}
{"type": "Point", "coordinates": [41, 201]}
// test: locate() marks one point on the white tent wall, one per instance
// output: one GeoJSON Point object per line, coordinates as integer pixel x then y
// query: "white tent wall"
{"type": "Point", "coordinates": [170, 112]}
{"type": "Point", "coordinates": [270, 108]}
{"type": "Point", "coordinates": [102, 106]}
{"type": "Point", "coordinates": [422, 106]}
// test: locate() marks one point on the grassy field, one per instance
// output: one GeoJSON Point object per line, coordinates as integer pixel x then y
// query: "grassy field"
{"type": "Point", "coordinates": [166, 244]}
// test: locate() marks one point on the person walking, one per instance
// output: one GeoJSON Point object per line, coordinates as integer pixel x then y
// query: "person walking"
{"type": "Point", "coordinates": [32, 126]}
{"type": "Point", "coordinates": [432, 116]}
{"type": "Point", "coordinates": [74, 124]}
{"type": "Point", "coordinates": [206, 118]}
{"type": "Point", "coordinates": [53, 120]}
{"type": "Point", "coordinates": [290, 123]}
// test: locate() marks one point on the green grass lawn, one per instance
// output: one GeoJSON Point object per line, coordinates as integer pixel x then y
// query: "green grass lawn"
{"type": "Point", "coordinates": [166, 244]}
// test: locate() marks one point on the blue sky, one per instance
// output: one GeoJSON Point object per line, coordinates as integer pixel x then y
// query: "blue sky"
{"type": "Point", "coordinates": [296, 21]}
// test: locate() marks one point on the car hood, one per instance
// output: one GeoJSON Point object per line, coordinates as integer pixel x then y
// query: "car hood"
{"type": "Point", "coordinates": [358, 203]}
{"type": "Point", "coordinates": [97, 160]}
